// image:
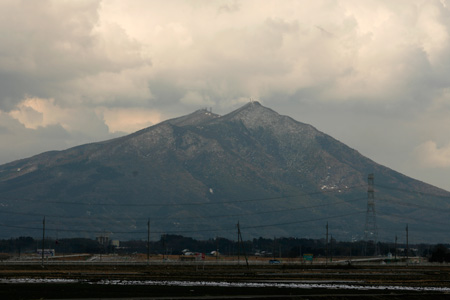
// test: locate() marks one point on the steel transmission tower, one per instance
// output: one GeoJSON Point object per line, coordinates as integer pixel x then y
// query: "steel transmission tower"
{"type": "Point", "coordinates": [371, 229]}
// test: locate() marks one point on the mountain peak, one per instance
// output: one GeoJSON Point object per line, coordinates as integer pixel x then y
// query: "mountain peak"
{"type": "Point", "coordinates": [253, 114]}
{"type": "Point", "coordinates": [250, 106]}
{"type": "Point", "coordinates": [195, 118]}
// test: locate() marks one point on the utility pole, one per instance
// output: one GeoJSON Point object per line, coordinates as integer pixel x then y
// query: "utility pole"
{"type": "Point", "coordinates": [331, 248]}
{"type": "Point", "coordinates": [371, 230]}
{"type": "Point", "coordinates": [242, 243]}
{"type": "Point", "coordinates": [407, 245]}
{"type": "Point", "coordinates": [43, 243]}
{"type": "Point", "coordinates": [238, 248]}
{"type": "Point", "coordinates": [164, 244]}
{"type": "Point", "coordinates": [326, 246]}
{"type": "Point", "coordinates": [217, 248]}
{"type": "Point", "coordinates": [395, 247]}
{"type": "Point", "coordinates": [148, 242]}
{"type": "Point", "coordinates": [273, 246]}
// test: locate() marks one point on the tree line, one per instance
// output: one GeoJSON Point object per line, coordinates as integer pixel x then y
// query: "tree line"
{"type": "Point", "coordinates": [177, 245]}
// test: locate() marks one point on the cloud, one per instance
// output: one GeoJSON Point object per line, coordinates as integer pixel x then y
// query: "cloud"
{"type": "Point", "coordinates": [196, 99]}
{"type": "Point", "coordinates": [229, 7]}
{"type": "Point", "coordinates": [429, 155]}
{"type": "Point", "coordinates": [35, 113]}
{"type": "Point", "coordinates": [19, 141]}
{"type": "Point", "coordinates": [381, 52]}
{"type": "Point", "coordinates": [48, 47]}
{"type": "Point", "coordinates": [110, 53]}
{"type": "Point", "coordinates": [127, 87]}
{"type": "Point", "coordinates": [46, 133]}
{"type": "Point", "coordinates": [128, 119]}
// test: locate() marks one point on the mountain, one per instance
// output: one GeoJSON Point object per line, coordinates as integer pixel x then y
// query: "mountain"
{"type": "Point", "coordinates": [200, 174]}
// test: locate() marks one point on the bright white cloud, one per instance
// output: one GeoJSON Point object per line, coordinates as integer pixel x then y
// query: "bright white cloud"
{"type": "Point", "coordinates": [430, 155]}
{"type": "Point", "coordinates": [343, 50]}
{"type": "Point", "coordinates": [36, 112]}
{"type": "Point", "coordinates": [129, 119]}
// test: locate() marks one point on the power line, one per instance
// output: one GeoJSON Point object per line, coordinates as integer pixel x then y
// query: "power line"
{"type": "Point", "coordinates": [237, 215]}
{"type": "Point", "coordinates": [190, 217]}
{"type": "Point", "coordinates": [210, 230]}
{"type": "Point", "coordinates": [414, 192]}
{"type": "Point", "coordinates": [305, 221]}
{"type": "Point", "coordinates": [425, 207]}
{"type": "Point", "coordinates": [403, 217]}
{"type": "Point", "coordinates": [188, 231]}
{"type": "Point", "coordinates": [180, 204]}
{"type": "Point", "coordinates": [417, 205]}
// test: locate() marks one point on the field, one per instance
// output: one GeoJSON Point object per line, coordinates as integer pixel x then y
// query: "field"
{"type": "Point", "coordinates": [223, 278]}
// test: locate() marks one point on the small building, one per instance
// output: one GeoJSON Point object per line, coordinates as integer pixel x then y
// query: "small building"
{"type": "Point", "coordinates": [47, 252]}
{"type": "Point", "coordinates": [102, 240]}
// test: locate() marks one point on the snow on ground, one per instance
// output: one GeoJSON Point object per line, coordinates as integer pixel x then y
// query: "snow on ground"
{"type": "Point", "coordinates": [234, 284]}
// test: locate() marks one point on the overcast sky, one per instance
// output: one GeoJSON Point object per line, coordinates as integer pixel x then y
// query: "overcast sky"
{"type": "Point", "coordinates": [373, 74]}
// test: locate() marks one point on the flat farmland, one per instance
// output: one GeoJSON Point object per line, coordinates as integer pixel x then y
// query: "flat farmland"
{"type": "Point", "coordinates": [221, 279]}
